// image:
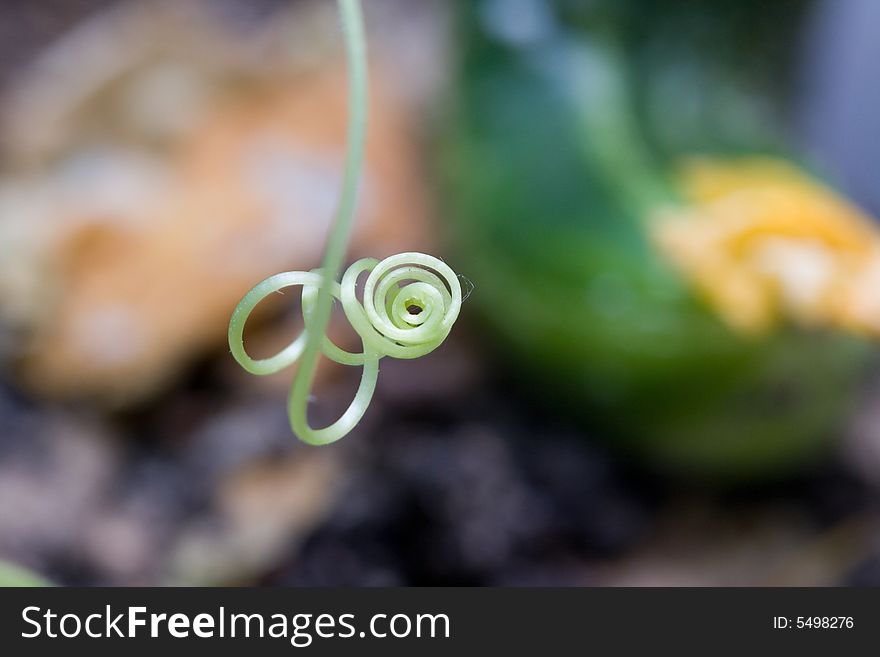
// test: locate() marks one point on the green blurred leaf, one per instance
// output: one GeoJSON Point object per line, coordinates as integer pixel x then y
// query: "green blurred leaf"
{"type": "Point", "coordinates": [16, 576]}
{"type": "Point", "coordinates": [554, 157]}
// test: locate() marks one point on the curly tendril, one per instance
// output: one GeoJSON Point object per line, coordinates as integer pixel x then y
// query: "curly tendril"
{"type": "Point", "coordinates": [410, 302]}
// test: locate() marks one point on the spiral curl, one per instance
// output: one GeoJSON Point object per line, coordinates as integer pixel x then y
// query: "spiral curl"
{"type": "Point", "coordinates": [385, 321]}
{"type": "Point", "coordinates": [410, 302]}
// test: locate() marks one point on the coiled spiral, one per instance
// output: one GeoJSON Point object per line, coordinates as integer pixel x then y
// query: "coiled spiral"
{"type": "Point", "coordinates": [410, 302]}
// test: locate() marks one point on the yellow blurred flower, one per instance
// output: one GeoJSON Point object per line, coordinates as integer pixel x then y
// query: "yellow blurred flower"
{"type": "Point", "coordinates": [763, 242]}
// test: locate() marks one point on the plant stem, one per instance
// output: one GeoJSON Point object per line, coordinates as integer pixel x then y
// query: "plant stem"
{"type": "Point", "coordinates": [337, 242]}
{"type": "Point", "coordinates": [384, 320]}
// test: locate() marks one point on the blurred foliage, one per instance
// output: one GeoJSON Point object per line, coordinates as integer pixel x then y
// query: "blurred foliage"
{"type": "Point", "coordinates": [702, 75]}
{"type": "Point", "coordinates": [16, 576]}
{"type": "Point", "coordinates": [557, 153]}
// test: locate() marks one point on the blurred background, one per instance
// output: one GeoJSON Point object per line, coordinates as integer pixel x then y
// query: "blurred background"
{"type": "Point", "coordinates": [665, 373]}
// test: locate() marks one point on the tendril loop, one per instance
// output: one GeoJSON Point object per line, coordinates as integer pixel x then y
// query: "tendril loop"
{"type": "Point", "coordinates": [410, 302]}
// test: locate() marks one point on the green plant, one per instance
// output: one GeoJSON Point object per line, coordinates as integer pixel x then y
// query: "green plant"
{"type": "Point", "coordinates": [16, 576]}
{"type": "Point", "coordinates": [637, 224]}
{"type": "Point", "coordinates": [395, 319]}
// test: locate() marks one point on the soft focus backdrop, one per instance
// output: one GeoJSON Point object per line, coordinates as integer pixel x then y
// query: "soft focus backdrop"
{"type": "Point", "coordinates": [665, 372]}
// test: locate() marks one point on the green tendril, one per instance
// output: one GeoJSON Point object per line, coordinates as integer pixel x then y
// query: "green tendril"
{"type": "Point", "coordinates": [410, 300]}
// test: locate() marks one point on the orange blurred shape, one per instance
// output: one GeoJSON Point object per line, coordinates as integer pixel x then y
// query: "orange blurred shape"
{"type": "Point", "coordinates": [137, 289]}
{"type": "Point", "coordinates": [763, 243]}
